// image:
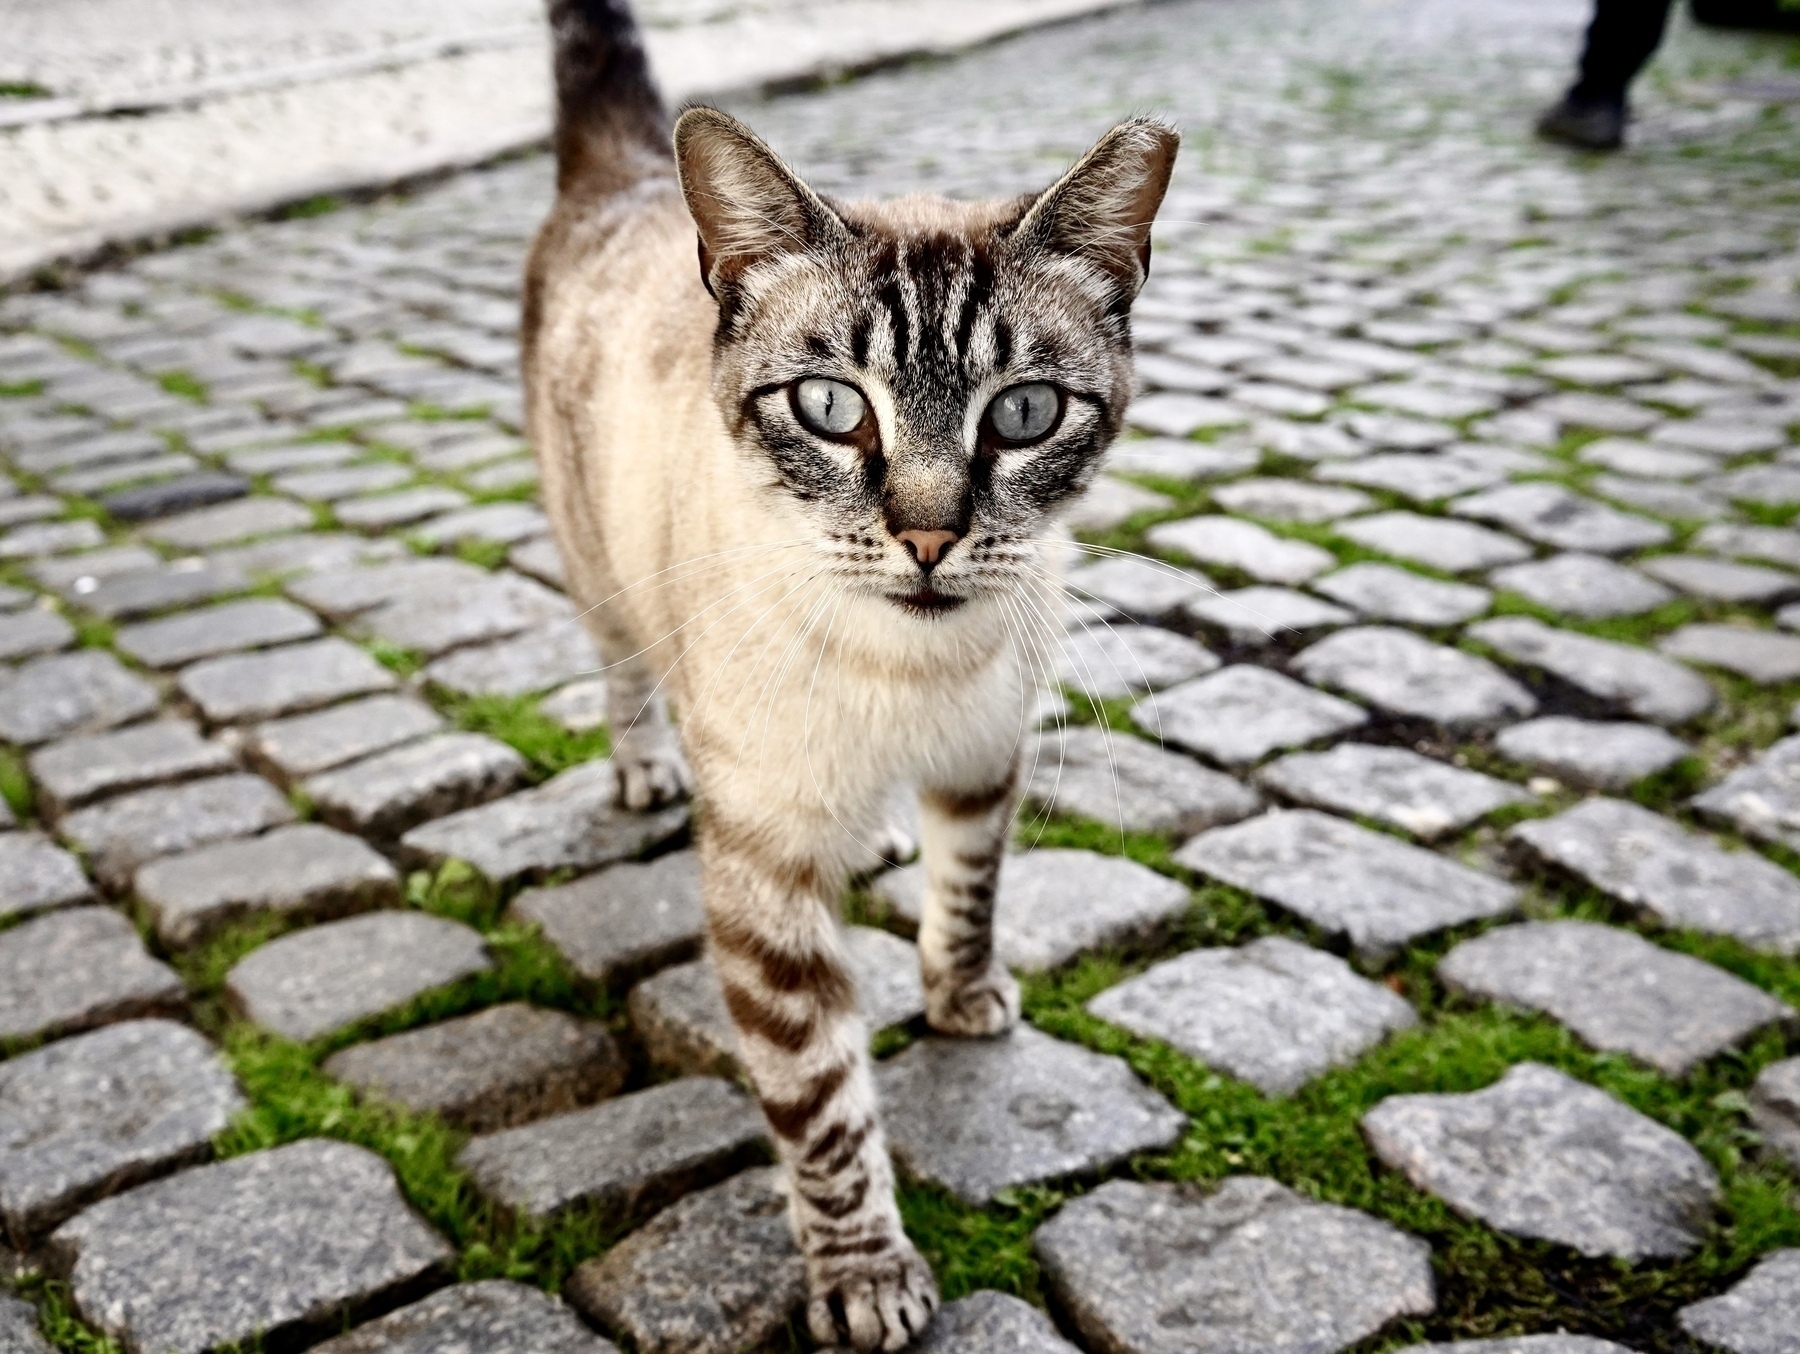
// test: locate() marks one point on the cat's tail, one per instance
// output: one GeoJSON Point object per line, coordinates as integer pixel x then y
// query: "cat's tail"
{"type": "Point", "coordinates": [611, 127]}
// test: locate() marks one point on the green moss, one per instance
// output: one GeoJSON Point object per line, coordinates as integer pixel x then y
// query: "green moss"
{"type": "Point", "coordinates": [483, 554]}
{"type": "Point", "coordinates": [15, 783]}
{"type": "Point", "coordinates": [517, 721]}
{"type": "Point", "coordinates": [183, 384]}
{"type": "Point", "coordinates": [403, 662]}
{"type": "Point", "coordinates": [19, 390]}
{"type": "Point", "coordinates": [92, 632]}
{"type": "Point", "coordinates": [322, 205]}
{"type": "Point", "coordinates": [57, 1320]}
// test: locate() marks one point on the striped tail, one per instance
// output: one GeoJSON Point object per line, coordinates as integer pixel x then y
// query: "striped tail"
{"type": "Point", "coordinates": [611, 127]}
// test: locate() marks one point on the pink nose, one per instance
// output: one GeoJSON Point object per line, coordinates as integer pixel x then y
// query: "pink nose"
{"type": "Point", "coordinates": [927, 546]}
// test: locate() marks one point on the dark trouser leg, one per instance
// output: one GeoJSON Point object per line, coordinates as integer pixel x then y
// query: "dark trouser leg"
{"type": "Point", "coordinates": [1622, 38]}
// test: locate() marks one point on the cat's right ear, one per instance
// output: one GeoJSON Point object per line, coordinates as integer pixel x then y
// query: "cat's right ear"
{"type": "Point", "coordinates": [747, 205]}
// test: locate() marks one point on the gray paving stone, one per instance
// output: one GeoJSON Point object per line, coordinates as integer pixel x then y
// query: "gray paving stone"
{"type": "Point", "coordinates": [498, 523]}
{"type": "Point", "coordinates": [241, 688]}
{"type": "Point", "coordinates": [63, 694]}
{"type": "Point", "coordinates": [328, 485]}
{"type": "Point", "coordinates": [497, 1069]}
{"type": "Point", "coordinates": [680, 1015]}
{"type": "Point", "coordinates": [1631, 457]}
{"type": "Point", "coordinates": [19, 1330]}
{"type": "Point", "coordinates": [315, 981]}
{"type": "Point", "coordinates": [1606, 413]}
{"type": "Point", "coordinates": [1717, 437]}
{"type": "Point", "coordinates": [1110, 502]}
{"type": "Point", "coordinates": [101, 1112]}
{"type": "Point", "coordinates": [84, 768]}
{"type": "Point", "coordinates": [182, 493]}
{"type": "Point", "coordinates": [1454, 547]}
{"type": "Point", "coordinates": [1764, 656]}
{"type": "Point", "coordinates": [1631, 680]}
{"type": "Point", "coordinates": [1423, 477]}
{"type": "Point", "coordinates": [1247, 1268]}
{"type": "Point", "coordinates": [304, 872]}
{"type": "Point", "coordinates": [33, 631]}
{"type": "Point", "coordinates": [539, 559]}
{"type": "Point", "coordinates": [494, 1316]}
{"type": "Point", "coordinates": [987, 1322]}
{"type": "Point", "coordinates": [1139, 586]}
{"type": "Point", "coordinates": [1680, 878]}
{"type": "Point", "coordinates": [1108, 661]}
{"type": "Point", "coordinates": [37, 876]}
{"type": "Point", "coordinates": [309, 1232]}
{"type": "Point", "coordinates": [1615, 989]}
{"type": "Point", "coordinates": [284, 557]}
{"type": "Point", "coordinates": [1053, 904]}
{"type": "Point", "coordinates": [1775, 545]}
{"type": "Point", "coordinates": [120, 834]}
{"type": "Point", "coordinates": [1775, 1107]}
{"type": "Point", "coordinates": [1541, 1155]}
{"type": "Point", "coordinates": [1132, 785]}
{"type": "Point", "coordinates": [1346, 879]}
{"type": "Point", "coordinates": [622, 923]}
{"type": "Point", "coordinates": [1559, 517]}
{"type": "Point", "coordinates": [1398, 433]}
{"type": "Point", "coordinates": [1591, 587]}
{"type": "Point", "coordinates": [978, 1116]}
{"type": "Point", "coordinates": [305, 456]}
{"type": "Point", "coordinates": [1290, 500]}
{"type": "Point", "coordinates": [1417, 794]}
{"type": "Point", "coordinates": [302, 745]}
{"type": "Point", "coordinates": [255, 623]}
{"type": "Point", "coordinates": [1769, 485]}
{"type": "Point", "coordinates": [1383, 592]}
{"type": "Point", "coordinates": [1761, 800]}
{"type": "Point", "coordinates": [1260, 615]}
{"type": "Point", "coordinates": [1758, 1315]}
{"type": "Point", "coordinates": [1409, 677]}
{"type": "Point", "coordinates": [737, 1235]}
{"type": "Point", "coordinates": [339, 593]}
{"type": "Point", "coordinates": [1177, 414]}
{"type": "Point", "coordinates": [568, 823]}
{"type": "Point", "coordinates": [1524, 1344]}
{"type": "Point", "coordinates": [1722, 580]}
{"type": "Point", "coordinates": [534, 661]}
{"type": "Point", "coordinates": [227, 523]}
{"type": "Point", "coordinates": [1274, 1013]}
{"type": "Point", "coordinates": [1678, 502]}
{"type": "Point", "coordinates": [627, 1157]}
{"type": "Point", "coordinates": [1594, 753]}
{"type": "Point", "coordinates": [1241, 545]}
{"type": "Point", "coordinates": [384, 795]}
{"type": "Point", "coordinates": [30, 508]}
{"type": "Point", "coordinates": [144, 592]}
{"type": "Point", "coordinates": [380, 511]}
{"type": "Point", "coordinates": [434, 620]}
{"type": "Point", "coordinates": [77, 575]}
{"type": "Point", "coordinates": [1242, 713]}
{"type": "Point", "coordinates": [50, 538]}
{"type": "Point", "coordinates": [78, 968]}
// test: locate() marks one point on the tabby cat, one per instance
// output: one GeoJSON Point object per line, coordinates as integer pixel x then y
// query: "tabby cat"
{"type": "Point", "coordinates": [804, 479]}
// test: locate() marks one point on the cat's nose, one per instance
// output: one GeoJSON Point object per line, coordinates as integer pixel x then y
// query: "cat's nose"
{"type": "Point", "coordinates": [927, 547]}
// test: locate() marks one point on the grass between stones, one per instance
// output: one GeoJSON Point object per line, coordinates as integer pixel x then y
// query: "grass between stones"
{"type": "Point", "coordinates": [517, 721]}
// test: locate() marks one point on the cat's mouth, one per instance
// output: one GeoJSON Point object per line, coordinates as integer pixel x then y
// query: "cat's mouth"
{"type": "Point", "coordinates": [925, 601]}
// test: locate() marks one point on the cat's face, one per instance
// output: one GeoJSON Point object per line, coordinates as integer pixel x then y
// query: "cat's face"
{"type": "Point", "coordinates": [921, 384]}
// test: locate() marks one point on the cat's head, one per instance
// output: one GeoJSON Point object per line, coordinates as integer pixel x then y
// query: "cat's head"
{"type": "Point", "coordinates": [922, 384]}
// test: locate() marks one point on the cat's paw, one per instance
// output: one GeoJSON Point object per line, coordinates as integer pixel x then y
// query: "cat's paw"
{"type": "Point", "coordinates": [650, 773]}
{"type": "Point", "coordinates": [872, 1302]}
{"type": "Point", "coordinates": [977, 1009]}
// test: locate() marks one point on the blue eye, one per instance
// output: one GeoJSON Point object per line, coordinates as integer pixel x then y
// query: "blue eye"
{"type": "Point", "coordinates": [829, 408]}
{"type": "Point", "coordinates": [1025, 413]}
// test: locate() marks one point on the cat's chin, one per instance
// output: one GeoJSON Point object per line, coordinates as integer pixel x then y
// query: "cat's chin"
{"type": "Point", "coordinates": [925, 602]}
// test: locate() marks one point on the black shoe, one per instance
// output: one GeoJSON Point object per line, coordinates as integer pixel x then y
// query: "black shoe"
{"type": "Point", "coordinates": [1591, 126]}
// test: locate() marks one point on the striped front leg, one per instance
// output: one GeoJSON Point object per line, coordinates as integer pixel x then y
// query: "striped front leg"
{"type": "Point", "coordinates": [967, 989]}
{"type": "Point", "coordinates": [775, 939]}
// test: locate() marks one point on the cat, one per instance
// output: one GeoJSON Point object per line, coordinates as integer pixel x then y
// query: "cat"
{"type": "Point", "coordinates": [803, 459]}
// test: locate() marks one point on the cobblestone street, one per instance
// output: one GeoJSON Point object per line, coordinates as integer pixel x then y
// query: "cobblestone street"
{"type": "Point", "coordinates": [1406, 911]}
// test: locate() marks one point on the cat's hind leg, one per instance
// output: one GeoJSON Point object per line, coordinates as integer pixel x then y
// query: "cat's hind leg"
{"type": "Point", "coordinates": [962, 840]}
{"type": "Point", "coordinates": [775, 938]}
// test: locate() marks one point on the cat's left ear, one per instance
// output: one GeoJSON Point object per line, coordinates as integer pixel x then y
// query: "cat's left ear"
{"type": "Point", "coordinates": [1101, 209]}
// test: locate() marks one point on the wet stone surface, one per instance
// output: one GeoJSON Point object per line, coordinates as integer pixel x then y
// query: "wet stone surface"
{"type": "Point", "coordinates": [1616, 990]}
{"type": "Point", "coordinates": [1681, 878]}
{"type": "Point", "coordinates": [1054, 903]}
{"type": "Point", "coordinates": [311, 1230]}
{"type": "Point", "coordinates": [118, 835]}
{"type": "Point", "coordinates": [1539, 1154]}
{"type": "Point", "coordinates": [496, 1069]}
{"type": "Point", "coordinates": [622, 923]}
{"type": "Point", "coordinates": [77, 770]}
{"type": "Point", "coordinates": [319, 980]}
{"type": "Point", "coordinates": [493, 1317]}
{"type": "Point", "coordinates": [74, 969]}
{"type": "Point", "coordinates": [1604, 755]}
{"type": "Point", "coordinates": [737, 1235]}
{"type": "Point", "coordinates": [101, 1112]}
{"type": "Point", "coordinates": [1408, 677]}
{"type": "Point", "coordinates": [1419, 795]}
{"type": "Point", "coordinates": [1275, 1013]}
{"type": "Point", "coordinates": [1252, 1266]}
{"type": "Point", "coordinates": [1343, 878]}
{"type": "Point", "coordinates": [979, 1115]}
{"type": "Point", "coordinates": [303, 872]}
{"type": "Point", "coordinates": [628, 1156]}
{"type": "Point", "coordinates": [1241, 714]}
{"type": "Point", "coordinates": [1132, 784]}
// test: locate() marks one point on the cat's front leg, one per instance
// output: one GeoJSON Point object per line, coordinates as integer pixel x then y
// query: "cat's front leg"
{"type": "Point", "coordinates": [646, 754]}
{"type": "Point", "coordinates": [964, 830]}
{"type": "Point", "coordinates": [772, 919]}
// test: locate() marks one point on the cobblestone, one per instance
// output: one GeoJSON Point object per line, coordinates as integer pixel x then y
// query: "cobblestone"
{"type": "Point", "coordinates": [1260, 615]}
{"type": "Point", "coordinates": [1417, 794]}
{"type": "Point", "coordinates": [1131, 784]}
{"type": "Point", "coordinates": [1763, 656]}
{"type": "Point", "coordinates": [302, 745]}
{"type": "Point", "coordinates": [1631, 680]}
{"type": "Point", "coordinates": [494, 1316]}
{"type": "Point", "coordinates": [1554, 516]}
{"type": "Point", "coordinates": [1539, 1154]}
{"type": "Point", "coordinates": [118, 835]}
{"type": "Point", "coordinates": [1104, 662]}
{"type": "Point", "coordinates": [1454, 547]}
{"type": "Point", "coordinates": [77, 770]}
{"type": "Point", "coordinates": [1240, 714]}
{"type": "Point", "coordinates": [992, 1323]}
{"type": "Point", "coordinates": [74, 969]}
{"type": "Point", "coordinates": [1758, 1315]}
{"type": "Point", "coordinates": [384, 795]}
{"type": "Point", "coordinates": [240, 688]}
{"type": "Point", "coordinates": [1590, 587]}
{"type": "Point", "coordinates": [102, 1112]}
{"type": "Point", "coordinates": [1382, 592]}
{"type": "Point", "coordinates": [37, 876]}
{"type": "Point", "coordinates": [622, 923]}
{"type": "Point", "coordinates": [1761, 800]}
{"type": "Point", "coordinates": [1775, 1107]}
{"type": "Point", "coordinates": [1139, 587]}
{"type": "Point", "coordinates": [64, 694]}
{"type": "Point", "coordinates": [534, 661]}
{"type": "Point", "coordinates": [1408, 677]}
{"type": "Point", "coordinates": [1241, 545]}
{"type": "Point", "coordinates": [1604, 756]}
